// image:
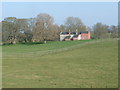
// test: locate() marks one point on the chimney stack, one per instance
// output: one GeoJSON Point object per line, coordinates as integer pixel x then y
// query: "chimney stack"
{"type": "Point", "coordinates": [69, 31]}
{"type": "Point", "coordinates": [76, 31]}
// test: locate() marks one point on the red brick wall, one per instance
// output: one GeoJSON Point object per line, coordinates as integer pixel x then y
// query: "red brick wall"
{"type": "Point", "coordinates": [85, 36]}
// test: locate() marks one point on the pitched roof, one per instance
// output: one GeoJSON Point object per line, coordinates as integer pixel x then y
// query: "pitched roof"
{"type": "Point", "coordinates": [73, 33]}
{"type": "Point", "coordinates": [64, 32]}
{"type": "Point", "coordinates": [83, 32]}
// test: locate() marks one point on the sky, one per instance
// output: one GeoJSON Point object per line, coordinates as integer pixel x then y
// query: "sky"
{"type": "Point", "coordinates": [89, 12]}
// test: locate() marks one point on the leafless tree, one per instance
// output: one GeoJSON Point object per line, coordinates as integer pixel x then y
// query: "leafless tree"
{"type": "Point", "coordinates": [44, 28]}
{"type": "Point", "coordinates": [74, 23]}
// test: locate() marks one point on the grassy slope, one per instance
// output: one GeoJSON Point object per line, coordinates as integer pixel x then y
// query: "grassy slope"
{"type": "Point", "coordinates": [93, 64]}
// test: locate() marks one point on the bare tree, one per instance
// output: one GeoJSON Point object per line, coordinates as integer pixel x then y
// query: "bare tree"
{"type": "Point", "coordinates": [42, 29]}
{"type": "Point", "coordinates": [113, 31]}
{"type": "Point", "coordinates": [62, 28]}
{"type": "Point", "coordinates": [74, 23]}
{"type": "Point", "coordinates": [54, 32]}
{"type": "Point", "coordinates": [100, 31]}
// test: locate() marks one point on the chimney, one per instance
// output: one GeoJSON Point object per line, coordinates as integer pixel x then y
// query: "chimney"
{"type": "Point", "coordinates": [76, 31]}
{"type": "Point", "coordinates": [69, 31]}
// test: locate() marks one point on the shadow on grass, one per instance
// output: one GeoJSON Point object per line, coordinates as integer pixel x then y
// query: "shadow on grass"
{"type": "Point", "coordinates": [23, 43]}
{"type": "Point", "coordinates": [31, 43]}
{"type": "Point", "coordinates": [48, 42]}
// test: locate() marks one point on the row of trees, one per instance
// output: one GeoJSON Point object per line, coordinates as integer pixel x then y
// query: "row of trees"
{"type": "Point", "coordinates": [104, 31]}
{"type": "Point", "coordinates": [16, 30]}
{"type": "Point", "coordinates": [43, 28]}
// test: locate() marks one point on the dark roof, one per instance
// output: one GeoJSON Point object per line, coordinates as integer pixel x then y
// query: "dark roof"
{"type": "Point", "coordinates": [79, 33]}
{"type": "Point", "coordinates": [64, 32]}
{"type": "Point", "coordinates": [83, 32]}
{"type": "Point", "coordinates": [73, 33]}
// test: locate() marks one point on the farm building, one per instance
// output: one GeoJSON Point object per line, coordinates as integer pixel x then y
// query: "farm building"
{"type": "Point", "coordinates": [65, 36]}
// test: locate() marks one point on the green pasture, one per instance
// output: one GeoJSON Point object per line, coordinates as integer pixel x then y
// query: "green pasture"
{"type": "Point", "coordinates": [67, 64]}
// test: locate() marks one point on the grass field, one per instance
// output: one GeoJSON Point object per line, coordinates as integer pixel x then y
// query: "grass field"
{"type": "Point", "coordinates": [70, 64]}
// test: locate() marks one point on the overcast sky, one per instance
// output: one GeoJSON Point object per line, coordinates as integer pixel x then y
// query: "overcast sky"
{"type": "Point", "coordinates": [89, 12]}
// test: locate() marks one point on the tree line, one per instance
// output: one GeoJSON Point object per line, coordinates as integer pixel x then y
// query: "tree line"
{"type": "Point", "coordinates": [42, 28]}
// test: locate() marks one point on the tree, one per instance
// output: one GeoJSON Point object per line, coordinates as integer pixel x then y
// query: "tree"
{"type": "Point", "coordinates": [16, 30]}
{"type": "Point", "coordinates": [74, 23]}
{"type": "Point", "coordinates": [9, 32]}
{"type": "Point", "coordinates": [62, 28]}
{"type": "Point", "coordinates": [31, 23]}
{"type": "Point", "coordinates": [10, 27]}
{"type": "Point", "coordinates": [100, 31]}
{"type": "Point", "coordinates": [88, 29]}
{"type": "Point", "coordinates": [53, 32]}
{"type": "Point", "coordinates": [25, 30]}
{"type": "Point", "coordinates": [10, 19]}
{"type": "Point", "coordinates": [113, 31]}
{"type": "Point", "coordinates": [43, 27]}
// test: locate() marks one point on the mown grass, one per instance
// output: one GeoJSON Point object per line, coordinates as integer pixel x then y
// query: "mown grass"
{"type": "Point", "coordinates": [72, 64]}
